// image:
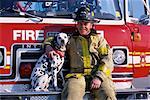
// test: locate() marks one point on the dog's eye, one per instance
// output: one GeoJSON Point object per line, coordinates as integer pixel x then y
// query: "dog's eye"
{"type": "Point", "coordinates": [59, 37]}
{"type": "Point", "coordinates": [65, 36]}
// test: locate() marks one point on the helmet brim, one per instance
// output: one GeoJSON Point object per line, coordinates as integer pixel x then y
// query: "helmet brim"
{"type": "Point", "coordinates": [85, 20]}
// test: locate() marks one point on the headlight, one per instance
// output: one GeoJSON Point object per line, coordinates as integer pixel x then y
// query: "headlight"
{"type": "Point", "coordinates": [1, 57]}
{"type": "Point", "coordinates": [120, 55]}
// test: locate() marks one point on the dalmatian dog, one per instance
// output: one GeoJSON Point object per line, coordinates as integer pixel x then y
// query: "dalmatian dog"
{"type": "Point", "coordinates": [47, 66]}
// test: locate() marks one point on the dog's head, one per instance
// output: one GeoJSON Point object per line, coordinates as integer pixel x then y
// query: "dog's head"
{"type": "Point", "coordinates": [62, 40]}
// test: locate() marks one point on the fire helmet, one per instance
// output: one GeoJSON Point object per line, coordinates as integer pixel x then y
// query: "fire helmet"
{"type": "Point", "coordinates": [85, 14]}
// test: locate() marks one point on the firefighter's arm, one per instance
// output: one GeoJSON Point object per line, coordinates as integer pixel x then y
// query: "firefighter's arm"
{"type": "Point", "coordinates": [47, 41]}
{"type": "Point", "coordinates": [105, 66]}
{"type": "Point", "coordinates": [47, 45]}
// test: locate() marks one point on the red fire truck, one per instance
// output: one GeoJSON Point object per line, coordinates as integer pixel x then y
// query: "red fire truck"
{"type": "Point", "coordinates": [25, 24]}
{"type": "Point", "coordinates": [136, 14]}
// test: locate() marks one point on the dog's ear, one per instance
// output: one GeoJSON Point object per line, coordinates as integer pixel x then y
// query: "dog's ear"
{"type": "Point", "coordinates": [56, 35]}
{"type": "Point", "coordinates": [69, 36]}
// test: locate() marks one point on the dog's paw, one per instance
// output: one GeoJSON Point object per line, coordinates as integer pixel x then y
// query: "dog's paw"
{"type": "Point", "coordinates": [45, 90]}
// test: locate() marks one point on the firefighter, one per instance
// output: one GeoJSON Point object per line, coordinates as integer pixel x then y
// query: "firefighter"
{"type": "Point", "coordinates": [91, 61]}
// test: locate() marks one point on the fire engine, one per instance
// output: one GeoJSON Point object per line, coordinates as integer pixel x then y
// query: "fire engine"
{"type": "Point", "coordinates": [25, 24]}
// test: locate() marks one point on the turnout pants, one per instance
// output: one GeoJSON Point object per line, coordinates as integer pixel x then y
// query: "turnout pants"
{"type": "Point", "coordinates": [75, 89]}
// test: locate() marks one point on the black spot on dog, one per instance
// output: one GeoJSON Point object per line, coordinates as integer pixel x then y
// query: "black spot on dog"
{"type": "Point", "coordinates": [41, 72]}
{"type": "Point", "coordinates": [45, 87]}
{"type": "Point", "coordinates": [49, 69]}
{"type": "Point", "coordinates": [34, 82]}
{"type": "Point", "coordinates": [37, 84]}
{"type": "Point", "coordinates": [39, 62]}
{"type": "Point", "coordinates": [50, 75]}
{"type": "Point", "coordinates": [38, 76]}
{"type": "Point", "coordinates": [47, 59]}
{"type": "Point", "coordinates": [44, 66]}
{"type": "Point", "coordinates": [44, 73]}
{"type": "Point", "coordinates": [57, 68]}
{"type": "Point", "coordinates": [44, 57]}
{"type": "Point", "coordinates": [42, 61]}
{"type": "Point", "coordinates": [33, 76]}
{"type": "Point", "coordinates": [35, 70]}
{"type": "Point", "coordinates": [54, 68]}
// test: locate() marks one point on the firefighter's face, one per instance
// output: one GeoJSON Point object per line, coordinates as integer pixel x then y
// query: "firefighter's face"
{"type": "Point", "coordinates": [84, 27]}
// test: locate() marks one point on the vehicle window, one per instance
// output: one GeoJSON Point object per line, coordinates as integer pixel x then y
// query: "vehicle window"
{"type": "Point", "coordinates": [149, 3]}
{"type": "Point", "coordinates": [136, 8]}
{"type": "Point", "coordinates": [119, 8]}
{"type": "Point", "coordinates": [104, 9]}
{"type": "Point", "coordinates": [122, 5]}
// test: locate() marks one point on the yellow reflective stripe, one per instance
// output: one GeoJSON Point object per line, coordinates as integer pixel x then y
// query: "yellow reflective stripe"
{"type": "Point", "coordinates": [147, 65]}
{"type": "Point", "coordinates": [103, 50]}
{"type": "Point", "coordinates": [136, 53]}
{"type": "Point", "coordinates": [130, 66]}
{"type": "Point", "coordinates": [147, 53]}
{"type": "Point", "coordinates": [92, 13]}
{"type": "Point", "coordinates": [76, 75]}
{"type": "Point", "coordinates": [47, 41]}
{"type": "Point", "coordinates": [87, 71]}
{"type": "Point", "coordinates": [105, 70]}
{"type": "Point", "coordinates": [85, 51]}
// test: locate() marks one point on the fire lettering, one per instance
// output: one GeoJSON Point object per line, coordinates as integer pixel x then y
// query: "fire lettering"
{"type": "Point", "coordinates": [28, 34]}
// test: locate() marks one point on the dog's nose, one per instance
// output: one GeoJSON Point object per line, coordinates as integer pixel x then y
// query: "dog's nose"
{"type": "Point", "coordinates": [62, 41]}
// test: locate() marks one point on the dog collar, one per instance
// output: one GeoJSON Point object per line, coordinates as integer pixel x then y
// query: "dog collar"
{"type": "Point", "coordinates": [61, 53]}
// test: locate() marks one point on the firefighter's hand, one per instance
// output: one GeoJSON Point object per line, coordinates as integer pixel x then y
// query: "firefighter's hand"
{"type": "Point", "coordinates": [49, 51]}
{"type": "Point", "coordinates": [96, 83]}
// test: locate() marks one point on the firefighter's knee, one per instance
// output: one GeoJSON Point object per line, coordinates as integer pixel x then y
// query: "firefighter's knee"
{"type": "Point", "coordinates": [105, 92]}
{"type": "Point", "coordinates": [75, 89]}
